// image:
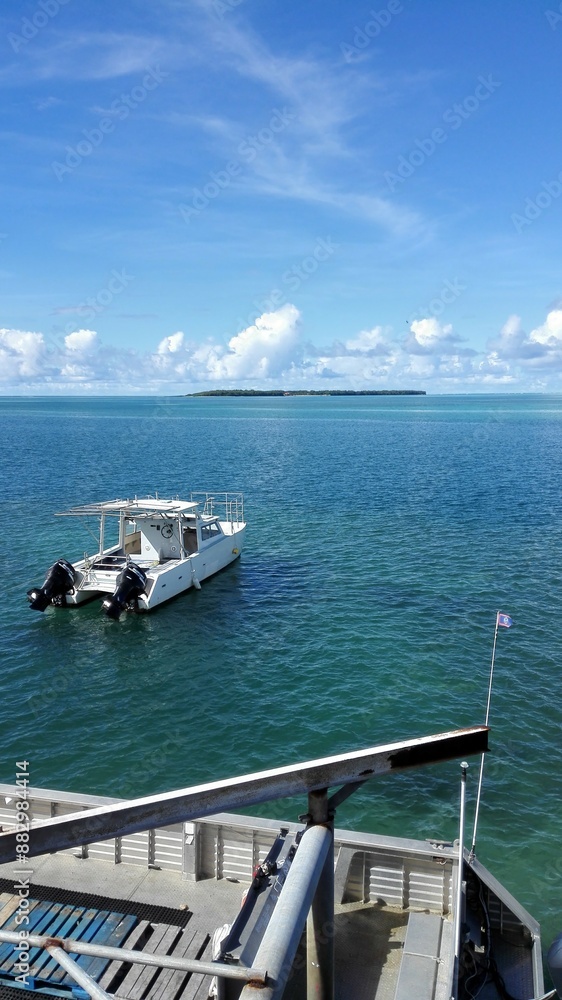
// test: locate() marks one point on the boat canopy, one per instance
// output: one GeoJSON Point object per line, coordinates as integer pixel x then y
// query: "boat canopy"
{"type": "Point", "coordinates": [137, 507]}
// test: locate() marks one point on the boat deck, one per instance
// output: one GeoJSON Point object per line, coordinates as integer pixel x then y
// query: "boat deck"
{"type": "Point", "coordinates": [179, 917]}
{"type": "Point", "coordinates": [170, 888]}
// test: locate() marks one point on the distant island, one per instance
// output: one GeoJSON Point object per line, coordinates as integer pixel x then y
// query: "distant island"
{"type": "Point", "coordinates": [309, 392]}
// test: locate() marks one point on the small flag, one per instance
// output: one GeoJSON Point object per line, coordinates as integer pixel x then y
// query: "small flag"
{"type": "Point", "coordinates": [504, 620]}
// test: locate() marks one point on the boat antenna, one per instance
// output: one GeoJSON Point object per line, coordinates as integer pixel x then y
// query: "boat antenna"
{"type": "Point", "coordinates": [506, 622]}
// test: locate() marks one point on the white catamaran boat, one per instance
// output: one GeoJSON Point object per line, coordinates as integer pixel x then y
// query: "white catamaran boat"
{"type": "Point", "coordinates": [164, 546]}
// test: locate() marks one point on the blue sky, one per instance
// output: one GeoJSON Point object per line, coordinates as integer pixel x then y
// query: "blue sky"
{"type": "Point", "coordinates": [255, 193]}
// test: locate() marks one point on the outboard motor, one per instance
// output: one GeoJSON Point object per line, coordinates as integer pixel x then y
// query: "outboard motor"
{"type": "Point", "coordinates": [131, 583]}
{"type": "Point", "coordinates": [58, 583]}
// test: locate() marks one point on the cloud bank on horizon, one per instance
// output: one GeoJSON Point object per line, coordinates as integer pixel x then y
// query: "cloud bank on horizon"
{"type": "Point", "coordinates": [273, 353]}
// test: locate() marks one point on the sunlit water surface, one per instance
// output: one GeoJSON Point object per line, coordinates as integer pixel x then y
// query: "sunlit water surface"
{"type": "Point", "coordinates": [383, 535]}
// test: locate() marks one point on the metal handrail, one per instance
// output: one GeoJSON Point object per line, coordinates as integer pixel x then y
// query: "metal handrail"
{"type": "Point", "coordinates": [155, 811]}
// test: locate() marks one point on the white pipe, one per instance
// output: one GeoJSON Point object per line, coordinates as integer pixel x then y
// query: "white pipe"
{"type": "Point", "coordinates": [458, 899]}
{"type": "Point", "coordinates": [78, 974]}
{"type": "Point", "coordinates": [281, 938]}
{"type": "Point", "coordinates": [141, 957]}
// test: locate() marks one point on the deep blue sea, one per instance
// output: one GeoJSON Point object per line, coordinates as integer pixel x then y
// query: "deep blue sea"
{"type": "Point", "coordinates": [383, 535]}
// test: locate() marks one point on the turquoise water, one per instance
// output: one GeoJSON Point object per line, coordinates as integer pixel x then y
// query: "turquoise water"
{"type": "Point", "coordinates": [383, 535]}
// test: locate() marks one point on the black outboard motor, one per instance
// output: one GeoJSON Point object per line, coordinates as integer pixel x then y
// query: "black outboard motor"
{"type": "Point", "coordinates": [131, 583]}
{"type": "Point", "coordinates": [58, 583]}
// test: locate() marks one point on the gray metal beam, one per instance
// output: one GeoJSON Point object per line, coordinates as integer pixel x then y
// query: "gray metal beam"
{"type": "Point", "coordinates": [124, 818]}
{"type": "Point", "coordinates": [281, 937]}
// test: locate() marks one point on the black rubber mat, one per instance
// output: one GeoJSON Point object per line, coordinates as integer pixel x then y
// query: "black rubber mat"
{"type": "Point", "coordinates": [144, 911]}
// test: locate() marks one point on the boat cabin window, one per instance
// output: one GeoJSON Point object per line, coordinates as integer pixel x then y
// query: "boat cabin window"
{"type": "Point", "coordinates": [190, 540]}
{"type": "Point", "coordinates": [210, 531]}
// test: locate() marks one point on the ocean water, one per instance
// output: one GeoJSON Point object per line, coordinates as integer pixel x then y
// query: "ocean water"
{"type": "Point", "coordinates": [383, 535]}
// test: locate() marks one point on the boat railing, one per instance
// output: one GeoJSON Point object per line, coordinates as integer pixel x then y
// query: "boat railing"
{"type": "Point", "coordinates": [309, 884]}
{"type": "Point", "coordinates": [228, 506]}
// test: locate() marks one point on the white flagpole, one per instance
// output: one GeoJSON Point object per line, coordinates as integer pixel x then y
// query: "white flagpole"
{"type": "Point", "coordinates": [481, 775]}
{"type": "Point", "coordinates": [458, 896]}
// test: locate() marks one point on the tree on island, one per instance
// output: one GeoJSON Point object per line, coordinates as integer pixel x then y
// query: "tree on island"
{"type": "Point", "coordinates": [309, 392]}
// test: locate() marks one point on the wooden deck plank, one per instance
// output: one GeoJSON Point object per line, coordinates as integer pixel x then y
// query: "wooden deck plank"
{"type": "Point", "coordinates": [8, 955]}
{"type": "Point", "coordinates": [111, 934]}
{"type": "Point", "coordinates": [84, 931]}
{"type": "Point", "coordinates": [39, 918]}
{"type": "Point", "coordinates": [131, 942]}
{"type": "Point", "coordinates": [150, 973]}
{"type": "Point", "coordinates": [9, 907]}
{"type": "Point", "coordinates": [195, 979]}
{"type": "Point", "coordinates": [182, 949]}
{"type": "Point", "coordinates": [178, 979]}
{"type": "Point", "coordinates": [135, 973]}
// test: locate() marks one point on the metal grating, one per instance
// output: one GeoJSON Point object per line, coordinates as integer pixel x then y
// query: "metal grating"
{"type": "Point", "coordinates": [144, 911]}
{"type": "Point", "coordinates": [10, 993]}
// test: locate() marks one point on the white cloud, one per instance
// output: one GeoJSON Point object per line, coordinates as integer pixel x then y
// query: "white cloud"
{"type": "Point", "coordinates": [322, 101]}
{"type": "Point", "coordinates": [263, 350]}
{"type": "Point", "coordinates": [171, 344]}
{"type": "Point", "coordinates": [22, 354]}
{"type": "Point", "coordinates": [272, 353]}
{"type": "Point", "coordinates": [87, 55]}
{"type": "Point", "coordinates": [550, 333]}
{"type": "Point", "coordinates": [77, 373]}
{"type": "Point", "coordinates": [541, 348]}
{"type": "Point", "coordinates": [429, 335]}
{"type": "Point", "coordinates": [369, 340]}
{"type": "Point", "coordinates": [81, 341]}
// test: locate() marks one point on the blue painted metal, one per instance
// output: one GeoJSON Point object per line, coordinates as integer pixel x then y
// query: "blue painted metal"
{"type": "Point", "coordinates": [116, 929]}
{"type": "Point", "coordinates": [86, 929]}
{"type": "Point", "coordinates": [57, 920]}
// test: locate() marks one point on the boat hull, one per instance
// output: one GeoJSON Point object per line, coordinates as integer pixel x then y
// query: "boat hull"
{"type": "Point", "coordinates": [165, 580]}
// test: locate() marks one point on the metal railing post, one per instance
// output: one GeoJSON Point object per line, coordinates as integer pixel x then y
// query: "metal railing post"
{"type": "Point", "coordinates": [320, 926]}
{"type": "Point", "coordinates": [283, 933]}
